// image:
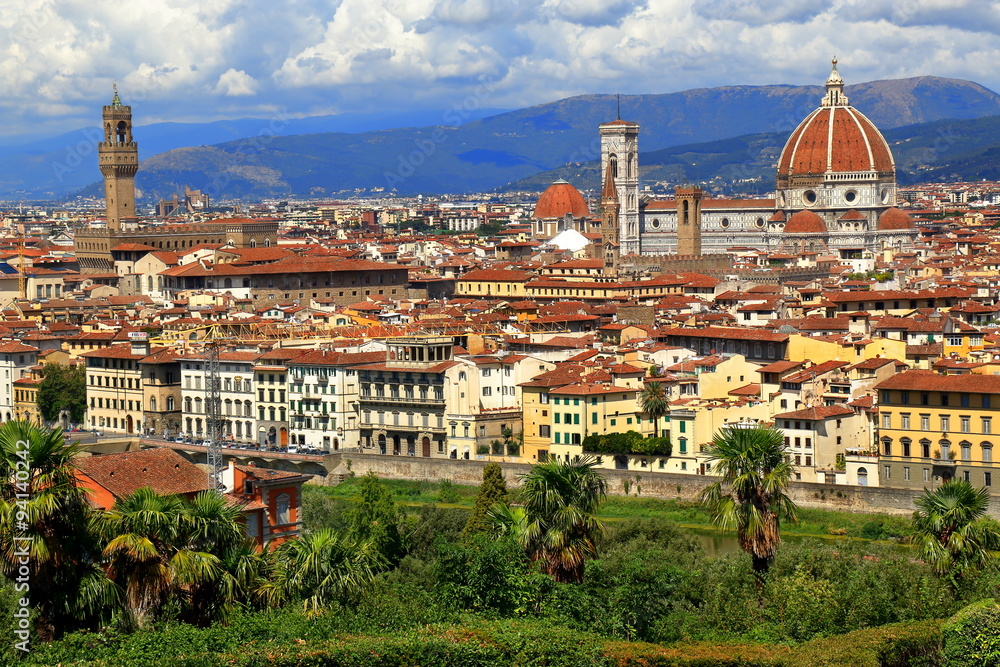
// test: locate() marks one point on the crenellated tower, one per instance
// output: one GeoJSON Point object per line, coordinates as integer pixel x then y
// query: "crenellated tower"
{"type": "Point", "coordinates": [119, 160]}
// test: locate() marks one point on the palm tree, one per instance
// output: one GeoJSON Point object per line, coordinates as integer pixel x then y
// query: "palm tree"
{"type": "Point", "coordinates": [321, 568]}
{"type": "Point", "coordinates": [557, 522]}
{"type": "Point", "coordinates": [163, 547]}
{"type": "Point", "coordinates": [950, 529]}
{"type": "Point", "coordinates": [750, 496]}
{"type": "Point", "coordinates": [42, 508]}
{"type": "Point", "coordinates": [653, 401]}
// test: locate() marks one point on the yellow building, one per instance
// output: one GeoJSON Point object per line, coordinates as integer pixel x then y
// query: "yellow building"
{"type": "Point", "coordinates": [582, 409]}
{"type": "Point", "coordinates": [694, 423]}
{"type": "Point", "coordinates": [803, 348]}
{"type": "Point", "coordinates": [493, 283]}
{"type": "Point", "coordinates": [934, 427]}
{"type": "Point", "coordinates": [114, 388]}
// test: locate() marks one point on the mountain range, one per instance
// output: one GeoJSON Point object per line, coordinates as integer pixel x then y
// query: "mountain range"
{"type": "Point", "coordinates": [725, 133]}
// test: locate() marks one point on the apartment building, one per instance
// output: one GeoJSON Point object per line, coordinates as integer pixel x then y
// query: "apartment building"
{"type": "Point", "coordinates": [935, 427]}
{"type": "Point", "coordinates": [16, 360]}
{"type": "Point", "coordinates": [236, 395]}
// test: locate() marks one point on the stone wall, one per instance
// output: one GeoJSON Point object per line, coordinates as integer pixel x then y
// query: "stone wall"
{"type": "Point", "coordinates": [647, 485]}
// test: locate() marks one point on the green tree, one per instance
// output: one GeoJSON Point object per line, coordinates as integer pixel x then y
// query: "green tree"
{"type": "Point", "coordinates": [951, 530]}
{"type": "Point", "coordinates": [557, 522]}
{"type": "Point", "coordinates": [63, 388]}
{"type": "Point", "coordinates": [375, 519]}
{"type": "Point", "coordinates": [319, 569]}
{"type": "Point", "coordinates": [750, 496]}
{"type": "Point", "coordinates": [164, 548]}
{"type": "Point", "coordinates": [43, 508]}
{"type": "Point", "coordinates": [492, 491]}
{"type": "Point", "coordinates": [653, 401]}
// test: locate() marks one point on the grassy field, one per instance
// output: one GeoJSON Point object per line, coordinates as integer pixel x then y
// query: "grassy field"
{"type": "Point", "coordinates": [812, 522]}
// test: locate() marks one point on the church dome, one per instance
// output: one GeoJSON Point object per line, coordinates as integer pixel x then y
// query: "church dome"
{"type": "Point", "coordinates": [893, 219]}
{"type": "Point", "coordinates": [835, 138]}
{"type": "Point", "coordinates": [559, 199]}
{"type": "Point", "coordinates": [805, 222]}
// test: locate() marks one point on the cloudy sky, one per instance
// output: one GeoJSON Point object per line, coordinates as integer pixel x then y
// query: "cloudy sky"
{"type": "Point", "coordinates": [186, 60]}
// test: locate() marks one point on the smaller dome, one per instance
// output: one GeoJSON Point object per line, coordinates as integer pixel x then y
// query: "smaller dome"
{"type": "Point", "coordinates": [559, 199]}
{"type": "Point", "coordinates": [805, 222]}
{"type": "Point", "coordinates": [779, 216]}
{"type": "Point", "coordinates": [852, 216]}
{"type": "Point", "coordinates": [893, 219]}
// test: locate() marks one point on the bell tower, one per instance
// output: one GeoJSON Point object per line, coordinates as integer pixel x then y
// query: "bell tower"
{"type": "Point", "coordinates": [119, 160]}
{"type": "Point", "coordinates": [620, 151]}
{"type": "Point", "coordinates": [610, 230]}
{"type": "Point", "coordinates": [688, 220]}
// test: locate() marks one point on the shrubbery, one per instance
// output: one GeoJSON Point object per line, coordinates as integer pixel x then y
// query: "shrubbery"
{"type": "Point", "coordinates": [972, 636]}
{"type": "Point", "coordinates": [631, 442]}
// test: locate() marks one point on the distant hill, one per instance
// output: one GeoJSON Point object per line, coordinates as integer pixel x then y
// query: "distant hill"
{"type": "Point", "coordinates": [494, 152]}
{"type": "Point", "coordinates": [944, 150]}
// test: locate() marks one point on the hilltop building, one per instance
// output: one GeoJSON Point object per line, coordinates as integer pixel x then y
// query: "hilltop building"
{"type": "Point", "coordinates": [97, 249]}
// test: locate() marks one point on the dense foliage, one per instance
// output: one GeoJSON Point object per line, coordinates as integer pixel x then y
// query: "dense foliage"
{"type": "Point", "coordinates": [63, 388]}
{"type": "Point", "coordinates": [385, 576]}
{"type": "Point", "coordinates": [492, 492]}
{"type": "Point", "coordinates": [630, 442]}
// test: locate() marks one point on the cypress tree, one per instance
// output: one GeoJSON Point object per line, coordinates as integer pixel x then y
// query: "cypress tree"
{"type": "Point", "coordinates": [492, 491]}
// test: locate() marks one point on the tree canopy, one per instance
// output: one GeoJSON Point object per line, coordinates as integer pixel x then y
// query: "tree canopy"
{"type": "Point", "coordinates": [63, 388]}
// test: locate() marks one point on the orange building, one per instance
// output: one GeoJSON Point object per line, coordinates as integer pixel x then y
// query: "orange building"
{"type": "Point", "coordinates": [269, 499]}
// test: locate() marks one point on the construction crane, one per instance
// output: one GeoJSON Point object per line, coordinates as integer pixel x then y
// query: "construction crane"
{"type": "Point", "coordinates": [22, 286]}
{"type": "Point", "coordinates": [213, 414]}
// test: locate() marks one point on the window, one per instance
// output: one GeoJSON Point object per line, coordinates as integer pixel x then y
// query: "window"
{"type": "Point", "coordinates": [966, 451]}
{"type": "Point", "coordinates": [967, 476]}
{"type": "Point", "coordinates": [987, 452]}
{"type": "Point", "coordinates": [963, 400]}
{"type": "Point", "coordinates": [887, 471]}
{"type": "Point", "coordinates": [987, 425]}
{"type": "Point", "coordinates": [886, 420]}
{"type": "Point", "coordinates": [925, 422]}
{"type": "Point", "coordinates": [282, 504]}
{"type": "Point", "coordinates": [886, 396]}
{"type": "Point", "coordinates": [886, 446]}
{"type": "Point", "coordinates": [927, 474]}
{"type": "Point", "coordinates": [487, 391]}
{"type": "Point", "coordinates": [904, 421]}
{"type": "Point", "coordinates": [925, 449]}
{"type": "Point", "coordinates": [925, 398]}
{"type": "Point", "coordinates": [988, 479]}
{"type": "Point", "coordinates": [906, 473]}
{"type": "Point", "coordinates": [904, 397]}
{"type": "Point", "coordinates": [966, 424]}
{"type": "Point", "coordinates": [906, 446]}
{"type": "Point", "coordinates": [945, 422]}
{"type": "Point", "coordinates": [945, 398]}
{"type": "Point", "coordinates": [986, 400]}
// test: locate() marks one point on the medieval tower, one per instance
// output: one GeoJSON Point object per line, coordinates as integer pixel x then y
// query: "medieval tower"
{"type": "Point", "coordinates": [620, 153]}
{"type": "Point", "coordinates": [610, 226]}
{"type": "Point", "coordinates": [119, 160]}
{"type": "Point", "coordinates": [688, 220]}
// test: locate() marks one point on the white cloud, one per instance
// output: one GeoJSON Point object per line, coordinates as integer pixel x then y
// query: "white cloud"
{"type": "Point", "coordinates": [236, 57]}
{"type": "Point", "coordinates": [235, 83]}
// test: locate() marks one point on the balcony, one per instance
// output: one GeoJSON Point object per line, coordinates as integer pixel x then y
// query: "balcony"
{"type": "Point", "coordinates": [402, 400]}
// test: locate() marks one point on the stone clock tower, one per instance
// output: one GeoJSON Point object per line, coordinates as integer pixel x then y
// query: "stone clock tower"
{"type": "Point", "coordinates": [119, 160]}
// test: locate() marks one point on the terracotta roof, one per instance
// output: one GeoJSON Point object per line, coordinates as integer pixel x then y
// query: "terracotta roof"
{"type": "Point", "coordinates": [931, 381]}
{"type": "Point", "coordinates": [162, 469]}
{"type": "Point", "coordinates": [805, 222]}
{"type": "Point", "coordinates": [835, 139]}
{"type": "Point", "coordinates": [817, 413]}
{"type": "Point", "coordinates": [894, 219]}
{"type": "Point", "coordinates": [559, 199]}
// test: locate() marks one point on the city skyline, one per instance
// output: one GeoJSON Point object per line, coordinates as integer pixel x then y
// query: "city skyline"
{"type": "Point", "coordinates": [250, 60]}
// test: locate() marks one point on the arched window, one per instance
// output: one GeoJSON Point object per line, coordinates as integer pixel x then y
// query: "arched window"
{"type": "Point", "coordinates": [187, 404]}
{"type": "Point", "coordinates": [248, 409]}
{"type": "Point", "coordinates": [152, 403]}
{"type": "Point", "coordinates": [170, 403]}
{"type": "Point", "coordinates": [228, 282]}
{"type": "Point", "coordinates": [149, 283]}
{"type": "Point", "coordinates": [862, 477]}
